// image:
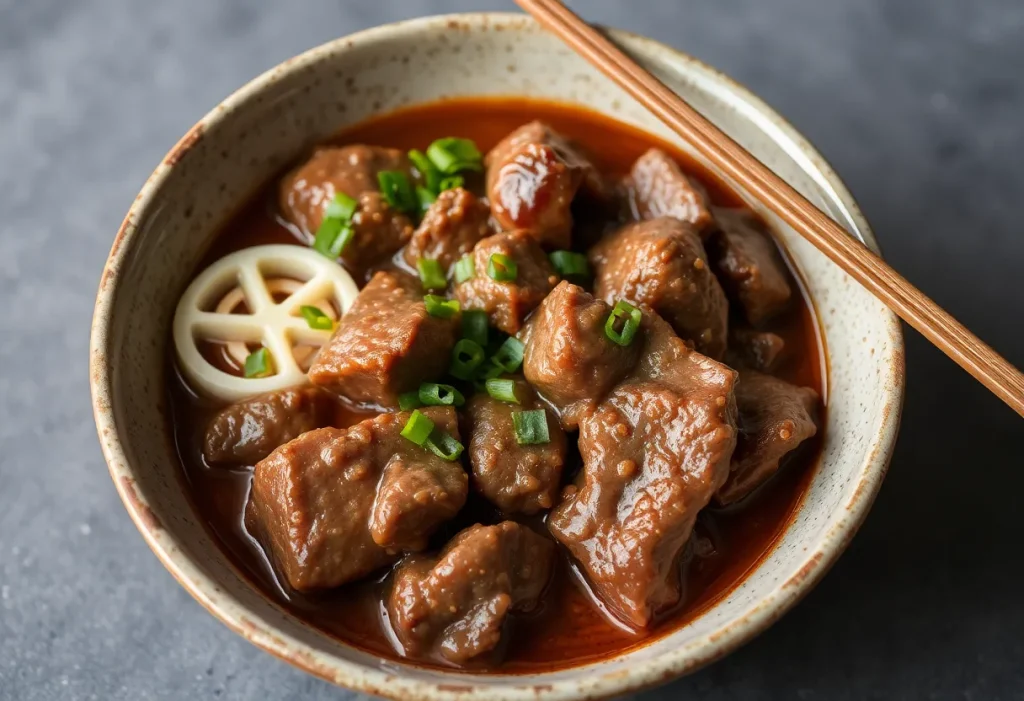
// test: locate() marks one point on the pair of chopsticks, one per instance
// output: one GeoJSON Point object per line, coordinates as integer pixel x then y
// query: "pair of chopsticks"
{"type": "Point", "coordinates": [909, 303]}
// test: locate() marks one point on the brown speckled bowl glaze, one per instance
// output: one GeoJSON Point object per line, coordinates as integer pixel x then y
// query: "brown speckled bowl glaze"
{"type": "Point", "coordinates": [235, 148]}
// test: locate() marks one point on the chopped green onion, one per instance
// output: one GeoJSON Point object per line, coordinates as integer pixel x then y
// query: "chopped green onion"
{"type": "Point", "coordinates": [417, 429]}
{"type": "Point", "coordinates": [433, 394]}
{"type": "Point", "coordinates": [431, 274]}
{"type": "Point", "coordinates": [466, 357]}
{"type": "Point", "coordinates": [629, 316]}
{"type": "Point", "coordinates": [341, 207]}
{"type": "Point", "coordinates": [492, 371]}
{"type": "Point", "coordinates": [474, 326]}
{"type": "Point", "coordinates": [441, 307]}
{"type": "Point", "coordinates": [531, 427]}
{"type": "Point", "coordinates": [398, 191]}
{"type": "Point", "coordinates": [451, 182]}
{"type": "Point", "coordinates": [444, 446]}
{"type": "Point", "coordinates": [570, 264]}
{"type": "Point", "coordinates": [451, 155]}
{"type": "Point", "coordinates": [426, 197]}
{"type": "Point", "coordinates": [315, 318]}
{"type": "Point", "coordinates": [259, 364]}
{"type": "Point", "coordinates": [502, 268]}
{"type": "Point", "coordinates": [428, 171]}
{"type": "Point", "coordinates": [407, 401]}
{"type": "Point", "coordinates": [510, 356]}
{"type": "Point", "coordinates": [335, 231]}
{"type": "Point", "coordinates": [502, 390]}
{"type": "Point", "coordinates": [465, 269]}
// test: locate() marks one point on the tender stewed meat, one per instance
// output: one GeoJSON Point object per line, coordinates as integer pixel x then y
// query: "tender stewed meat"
{"type": "Point", "coordinates": [515, 478]}
{"type": "Point", "coordinates": [750, 348]}
{"type": "Point", "coordinates": [246, 432]}
{"type": "Point", "coordinates": [654, 452]}
{"type": "Point", "coordinates": [508, 302]}
{"type": "Point", "coordinates": [568, 357]}
{"type": "Point", "coordinates": [749, 265]}
{"type": "Point", "coordinates": [386, 344]}
{"type": "Point", "coordinates": [533, 174]}
{"type": "Point", "coordinates": [315, 501]}
{"type": "Point", "coordinates": [455, 606]}
{"type": "Point", "coordinates": [378, 230]}
{"type": "Point", "coordinates": [775, 417]}
{"type": "Point", "coordinates": [661, 264]}
{"type": "Point", "coordinates": [659, 188]}
{"type": "Point", "coordinates": [450, 228]}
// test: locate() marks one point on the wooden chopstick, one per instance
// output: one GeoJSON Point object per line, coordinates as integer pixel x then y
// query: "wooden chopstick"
{"type": "Point", "coordinates": [912, 305]}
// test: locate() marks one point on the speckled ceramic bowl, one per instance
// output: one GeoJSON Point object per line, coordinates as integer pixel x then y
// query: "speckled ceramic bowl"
{"type": "Point", "coordinates": [235, 148]}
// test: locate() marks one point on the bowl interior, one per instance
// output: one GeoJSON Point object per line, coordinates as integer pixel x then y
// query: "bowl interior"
{"type": "Point", "coordinates": [244, 141]}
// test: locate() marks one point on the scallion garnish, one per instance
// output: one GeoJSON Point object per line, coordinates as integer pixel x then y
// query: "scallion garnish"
{"type": "Point", "coordinates": [502, 268]}
{"type": "Point", "coordinates": [407, 401]}
{"type": "Point", "coordinates": [465, 269]}
{"type": "Point", "coordinates": [502, 390]}
{"type": "Point", "coordinates": [341, 207]}
{"type": "Point", "coordinates": [474, 326]}
{"type": "Point", "coordinates": [259, 364]}
{"type": "Point", "coordinates": [315, 318]}
{"type": "Point", "coordinates": [466, 358]}
{"type": "Point", "coordinates": [418, 428]}
{"type": "Point", "coordinates": [510, 355]}
{"type": "Point", "coordinates": [570, 264]}
{"type": "Point", "coordinates": [443, 445]}
{"type": "Point", "coordinates": [398, 191]}
{"type": "Point", "coordinates": [433, 394]}
{"type": "Point", "coordinates": [335, 231]}
{"type": "Point", "coordinates": [440, 307]}
{"type": "Point", "coordinates": [623, 323]}
{"type": "Point", "coordinates": [425, 197]}
{"type": "Point", "coordinates": [428, 171]}
{"type": "Point", "coordinates": [451, 182]}
{"type": "Point", "coordinates": [531, 427]}
{"type": "Point", "coordinates": [452, 154]}
{"type": "Point", "coordinates": [431, 274]}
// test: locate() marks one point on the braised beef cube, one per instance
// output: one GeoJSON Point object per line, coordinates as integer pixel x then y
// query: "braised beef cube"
{"type": "Point", "coordinates": [386, 344]}
{"type": "Point", "coordinates": [508, 301]}
{"type": "Point", "coordinates": [314, 498]}
{"type": "Point", "coordinates": [378, 230]}
{"type": "Point", "coordinates": [455, 606]}
{"type": "Point", "coordinates": [654, 452]}
{"type": "Point", "coordinates": [246, 432]}
{"type": "Point", "coordinates": [568, 356]}
{"type": "Point", "coordinates": [659, 188]}
{"type": "Point", "coordinates": [750, 348]}
{"type": "Point", "coordinates": [533, 175]}
{"type": "Point", "coordinates": [515, 478]}
{"type": "Point", "coordinates": [775, 417]}
{"type": "Point", "coordinates": [450, 228]}
{"type": "Point", "coordinates": [661, 264]}
{"type": "Point", "coordinates": [749, 265]}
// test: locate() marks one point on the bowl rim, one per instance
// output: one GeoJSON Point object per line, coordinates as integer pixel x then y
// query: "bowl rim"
{"type": "Point", "coordinates": [384, 683]}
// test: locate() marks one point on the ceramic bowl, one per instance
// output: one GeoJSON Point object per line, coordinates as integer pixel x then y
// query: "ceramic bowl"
{"type": "Point", "coordinates": [250, 136]}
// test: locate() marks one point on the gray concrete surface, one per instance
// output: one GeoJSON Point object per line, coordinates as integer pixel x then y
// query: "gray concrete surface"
{"type": "Point", "coordinates": [918, 103]}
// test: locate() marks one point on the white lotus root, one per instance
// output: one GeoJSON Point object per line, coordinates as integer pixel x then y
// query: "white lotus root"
{"type": "Point", "coordinates": [257, 276]}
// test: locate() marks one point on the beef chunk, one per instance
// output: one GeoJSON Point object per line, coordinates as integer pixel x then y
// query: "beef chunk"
{"type": "Point", "coordinates": [659, 188]}
{"type": "Point", "coordinates": [450, 228]}
{"type": "Point", "coordinates": [515, 478]}
{"type": "Point", "coordinates": [455, 606]}
{"type": "Point", "coordinates": [661, 264]}
{"type": "Point", "coordinates": [508, 302]}
{"type": "Point", "coordinates": [775, 417]}
{"type": "Point", "coordinates": [758, 350]}
{"type": "Point", "coordinates": [568, 357]}
{"type": "Point", "coordinates": [378, 230]}
{"type": "Point", "coordinates": [749, 266]}
{"type": "Point", "coordinates": [315, 503]}
{"type": "Point", "coordinates": [654, 452]}
{"type": "Point", "coordinates": [246, 432]}
{"type": "Point", "coordinates": [386, 344]}
{"type": "Point", "coordinates": [532, 177]}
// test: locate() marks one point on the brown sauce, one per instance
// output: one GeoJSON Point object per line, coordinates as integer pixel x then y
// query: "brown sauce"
{"type": "Point", "coordinates": [568, 629]}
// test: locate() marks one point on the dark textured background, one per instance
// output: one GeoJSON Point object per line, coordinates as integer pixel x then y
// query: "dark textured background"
{"type": "Point", "coordinates": [919, 105]}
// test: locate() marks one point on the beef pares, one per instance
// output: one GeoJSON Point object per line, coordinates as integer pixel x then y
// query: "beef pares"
{"type": "Point", "coordinates": [316, 506]}
{"type": "Point", "coordinates": [659, 188]}
{"type": "Point", "coordinates": [515, 478]}
{"type": "Point", "coordinates": [775, 417]}
{"type": "Point", "coordinates": [450, 228]}
{"type": "Point", "coordinates": [246, 432]}
{"type": "Point", "coordinates": [661, 264]}
{"type": "Point", "coordinates": [386, 344]}
{"type": "Point", "coordinates": [757, 350]}
{"type": "Point", "coordinates": [507, 302]}
{"type": "Point", "coordinates": [654, 452]}
{"type": "Point", "coordinates": [455, 606]}
{"type": "Point", "coordinates": [749, 265]}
